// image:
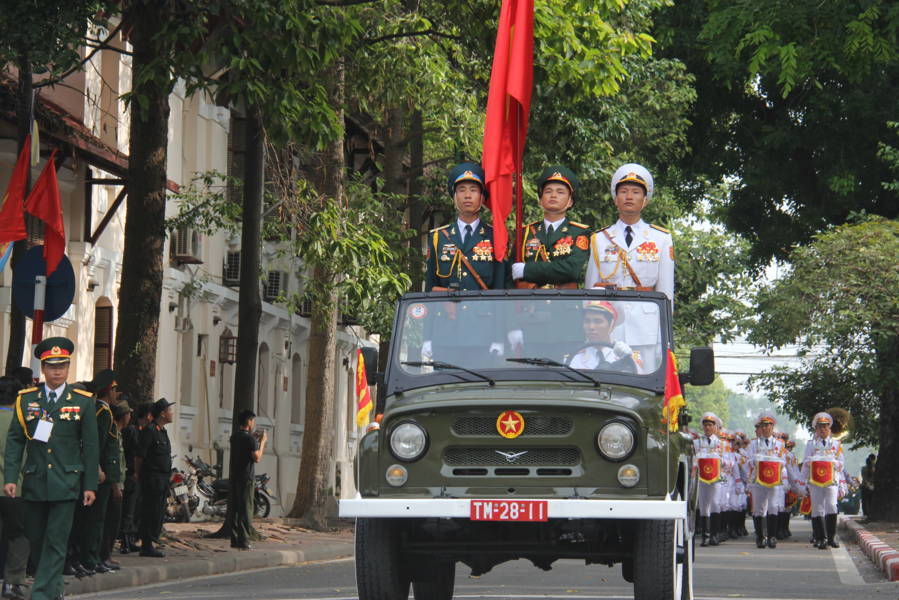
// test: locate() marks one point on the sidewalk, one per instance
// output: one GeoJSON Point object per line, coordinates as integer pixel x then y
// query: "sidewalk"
{"type": "Point", "coordinates": [189, 554]}
{"type": "Point", "coordinates": [879, 541]}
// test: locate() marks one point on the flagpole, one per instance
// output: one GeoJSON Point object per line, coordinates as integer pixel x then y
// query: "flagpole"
{"type": "Point", "coordinates": [37, 321]}
{"type": "Point", "coordinates": [516, 187]}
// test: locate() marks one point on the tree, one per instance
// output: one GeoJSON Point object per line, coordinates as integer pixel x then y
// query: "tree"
{"type": "Point", "coordinates": [793, 100]}
{"type": "Point", "coordinates": [708, 398]}
{"type": "Point", "coordinates": [838, 302]}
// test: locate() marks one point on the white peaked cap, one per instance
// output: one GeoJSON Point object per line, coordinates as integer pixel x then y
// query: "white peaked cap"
{"type": "Point", "coordinates": [633, 173]}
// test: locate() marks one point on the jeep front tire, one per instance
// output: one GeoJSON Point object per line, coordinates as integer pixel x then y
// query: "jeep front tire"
{"type": "Point", "coordinates": [380, 573]}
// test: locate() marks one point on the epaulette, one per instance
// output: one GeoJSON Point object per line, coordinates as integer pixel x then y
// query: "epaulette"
{"type": "Point", "coordinates": [606, 227]}
{"type": "Point", "coordinates": [82, 392]}
{"type": "Point", "coordinates": [581, 225]}
{"type": "Point", "coordinates": [438, 228]}
{"type": "Point", "coordinates": [28, 390]}
{"type": "Point", "coordinates": [662, 229]}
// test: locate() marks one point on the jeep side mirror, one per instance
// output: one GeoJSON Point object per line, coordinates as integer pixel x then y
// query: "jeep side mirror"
{"type": "Point", "coordinates": [370, 357]}
{"type": "Point", "coordinates": [702, 366]}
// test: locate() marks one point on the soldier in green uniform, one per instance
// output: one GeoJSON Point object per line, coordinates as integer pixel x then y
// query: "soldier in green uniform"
{"type": "Point", "coordinates": [154, 465]}
{"type": "Point", "coordinates": [460, 257]}
{"type": "Point", "coordinates": [90, 521]}
{"type": "Point", "coordinates": [122, 414]}
{"type": "Point", "coordinates": [12, 510]}
{"type": "Point", "coordinates": [555, 249]}
{"type": "Point", "coordinates": [57, 427]}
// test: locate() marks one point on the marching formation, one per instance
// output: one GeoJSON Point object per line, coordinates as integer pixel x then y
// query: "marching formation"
{"type": "Point", "coordinates": [763, 477]}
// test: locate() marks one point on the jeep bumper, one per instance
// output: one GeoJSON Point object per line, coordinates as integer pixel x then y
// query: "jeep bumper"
{"type": "Point", "coordinates": [460, 508]}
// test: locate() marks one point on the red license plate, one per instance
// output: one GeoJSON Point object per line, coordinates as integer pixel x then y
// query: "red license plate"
{"type": "Point", "coordinates": [509, 510]}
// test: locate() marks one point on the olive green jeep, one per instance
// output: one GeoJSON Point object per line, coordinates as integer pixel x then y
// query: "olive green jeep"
{"type": "Point", "coordinates": [525, 424]}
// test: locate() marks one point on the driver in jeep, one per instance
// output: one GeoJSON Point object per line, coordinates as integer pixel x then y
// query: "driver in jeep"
{"type": "Point", "coordinates": [600, 318]}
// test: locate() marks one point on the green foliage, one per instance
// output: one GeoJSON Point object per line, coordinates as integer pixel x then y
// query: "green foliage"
{"type": "Point", "coordinates": [701, 399]}
{"type": "Point", "coordinates": [839, 301]}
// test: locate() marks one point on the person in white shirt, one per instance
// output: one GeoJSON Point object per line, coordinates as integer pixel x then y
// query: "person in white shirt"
{"type": "Point", "coordinates": [708, 463]}
{"type": "Point", "coordinates": [767, 469]}
{"type": "Point", "coordinates": [821, 468]}
{"type": "Point", "coordinates": [633, 255]}
{"type": "Point", "coordinates": [600, 352]}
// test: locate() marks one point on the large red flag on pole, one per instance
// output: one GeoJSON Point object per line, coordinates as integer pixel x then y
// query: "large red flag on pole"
{"type": "Point", "coordinates": [44, 203]}
{"type": "Point", "coordinates": [12, 214]}
{"type": "Point", "coordinates": [508, 106]}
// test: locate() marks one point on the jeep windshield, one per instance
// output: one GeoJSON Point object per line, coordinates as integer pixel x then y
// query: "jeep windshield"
{"type": "Point", "coordinates": [542, 335]}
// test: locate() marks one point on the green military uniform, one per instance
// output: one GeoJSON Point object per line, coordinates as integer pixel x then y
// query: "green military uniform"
{"type": "Point", "coordinates": [12, 514]}
{"type": "Point", "coordinates": [91, 520]}
{"type": "Point", "coordinates": [555, 258]}
{"type": "Point", "coordinates": [56, 470]}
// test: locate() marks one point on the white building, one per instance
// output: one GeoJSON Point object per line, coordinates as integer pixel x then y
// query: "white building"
{"type": "Point", "coordinates": [198, 312]}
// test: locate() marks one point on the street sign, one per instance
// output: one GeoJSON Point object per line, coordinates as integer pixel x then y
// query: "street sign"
{"type": "Point", "coordinates": [60, 285]}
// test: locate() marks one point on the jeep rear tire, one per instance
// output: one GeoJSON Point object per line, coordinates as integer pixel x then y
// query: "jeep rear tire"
{"type": "Point", "coordinates": [662, 561]}
{"type": "Point", "coordinates": [380, 573]}
{"type": "Point", "coordinates": [440, 583]}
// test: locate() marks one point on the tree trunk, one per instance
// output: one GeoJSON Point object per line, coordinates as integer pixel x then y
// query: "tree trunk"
{"type": "Point", "coordinates": [886, 472]}
{"type": "Point", "coordinates": [142, 261]}
{"type": "Point", "coordinates": [326, 174]}
{"type": "Point", "coordinates": [24, 108]}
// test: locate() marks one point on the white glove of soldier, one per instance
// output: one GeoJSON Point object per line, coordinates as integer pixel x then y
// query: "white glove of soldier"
{"type": "Point", "coordinates": [427, 353]}
{"type": "Point", "coordinates": [516, 338]}
{"type": "Point", "coordinates": [621, 349]}
{"type": "Point", "coordinates": [496, 348]}
{"type": "Point", "coordinates": [517, 270]}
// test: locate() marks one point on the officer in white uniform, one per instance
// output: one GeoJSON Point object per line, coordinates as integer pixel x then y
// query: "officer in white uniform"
{"type": "Point", "coordinates": [824, 448]}
{"type": "Point", "coordinates": [707, 445]}
{"type": "Point", "coordinates": [764, 497]}
{"type": "Point", "coordinates": [631, 254]}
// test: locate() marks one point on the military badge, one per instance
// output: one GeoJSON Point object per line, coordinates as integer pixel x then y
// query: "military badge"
{"type": "Point", "coordinates": [532, 247]}
{"type": "Point", "coordinates": [563, 246]}
{"type": "Point", "coordinates": [671, 252]}
{"type": "Point", "coordinates": [648, 251]}
{"type": "Point", "coordinates": [582, 242]}
{"type": "Point", "coordinates": [483, 250]}
{"type": "Point", "coordinates": [510, 424]}
{"type": "Point", "coordinates": [418, 311]}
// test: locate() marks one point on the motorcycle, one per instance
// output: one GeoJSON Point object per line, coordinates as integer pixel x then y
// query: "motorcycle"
{"type": "Point", "coordinates": [216, 493]}
{"type": "Point", "coordinates": [182, 499]}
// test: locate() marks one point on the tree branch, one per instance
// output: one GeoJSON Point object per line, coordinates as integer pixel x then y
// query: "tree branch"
{"type": "Point", "coordinates": [427, 32]}
{"type": "Point", "coordinates": [96, 48]}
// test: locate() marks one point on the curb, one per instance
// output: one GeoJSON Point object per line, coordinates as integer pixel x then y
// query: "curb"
{"type": "Point", "coordinates": [881, 554]}
{"type": "Point", "coordinates": [226, 562]}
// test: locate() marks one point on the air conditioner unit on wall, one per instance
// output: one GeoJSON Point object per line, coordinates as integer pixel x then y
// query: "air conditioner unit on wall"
{"type": "Point", "coordinates": [186, 246]}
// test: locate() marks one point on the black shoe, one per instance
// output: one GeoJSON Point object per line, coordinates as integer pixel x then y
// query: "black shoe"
{"type": "Point", "coordinates": [101, 568]}
{"type": "Point", "coordinates": [760, 541]}
{"type": "Point", "coordinates": [830, 527]}
{"type": "Point", "coordinates": [242, 546]}
{"type": "Point", "coordinates": [111, 565]}
{"type": "Point", "coordinates": [68, 570]}
{"type": "Point", "coordinates": [13, 591]}
{"type": "Point", "coordinates": [704, 531]}
{"type": "Point", "coordinates": [81, 570]}
{"type": "Point", "coordinates": [151, 552]}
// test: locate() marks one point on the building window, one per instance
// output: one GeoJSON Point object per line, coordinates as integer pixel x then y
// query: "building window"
{"type": "Point", "coordinates": [231, 272]}
{"type": "Point", "coordinates": [228, 348]}
{"type": "Point", "coordinates": [102, 335]}
{"type": "Point", "coordinates": [297, 406]}
{"type": "Point", "coordinates": [275, 286]}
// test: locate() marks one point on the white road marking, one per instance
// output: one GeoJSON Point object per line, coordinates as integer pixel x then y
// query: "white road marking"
{"type": "Point", "coordinates": [846, 568]}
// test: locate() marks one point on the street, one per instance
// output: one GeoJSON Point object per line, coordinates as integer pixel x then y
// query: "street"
{"type": "Point", "coordinates": [736, 569]}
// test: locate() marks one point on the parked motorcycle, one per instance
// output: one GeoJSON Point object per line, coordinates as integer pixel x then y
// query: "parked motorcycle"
{"type": "Point", "coordinates": [215, 492]}
{"type": "Point", "coordinates": [182, 499]}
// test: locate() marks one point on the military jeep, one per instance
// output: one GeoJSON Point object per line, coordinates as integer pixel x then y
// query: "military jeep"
{"type": "Point", "coordinates": [511, 428]}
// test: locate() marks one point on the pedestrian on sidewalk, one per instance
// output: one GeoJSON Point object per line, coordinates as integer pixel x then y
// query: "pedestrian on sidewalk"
{"type": "Point", "coordinates": [154, 465]}
{"type": "Point", "coordinates": [12, 510]}
{"type": "Point", "coordinates": [122, 414]}
{"type": "Point", "coordinates": [247, 448]}
{"type": "Point", "coordinates": [131, 493]}
{"type": "Point", "coordinates": [55, 441]}
{"type": "Point", "coordinates": [868, 482]}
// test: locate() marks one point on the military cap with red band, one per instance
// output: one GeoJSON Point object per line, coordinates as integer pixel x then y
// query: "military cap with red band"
{"type": "Point", "coordinates": [54, 351]}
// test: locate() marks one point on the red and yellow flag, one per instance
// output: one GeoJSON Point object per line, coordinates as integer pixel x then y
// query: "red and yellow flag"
{"type": "Point", "coordinates": [363, 396]}
{"type": "Point", "coordinates": [508, 107]}
{"type": "Point", "coordinates": [45, 204]}
{"type": "Point", "coordinates": [674, 397]}
{"type": "Point", "coordinates": [822, 473]}
{"type": "Point", "coordinates": [12, 213]}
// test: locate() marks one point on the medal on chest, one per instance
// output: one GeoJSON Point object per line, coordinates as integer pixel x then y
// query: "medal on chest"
{"type": "Point", "coordinates": [563, 246]}
{"type": "Point", "coordinates": [483, 250]}
{"type": "Point", "coordinates": [648, 252]}
{"type": "Point", "coordinates": [447, 251]}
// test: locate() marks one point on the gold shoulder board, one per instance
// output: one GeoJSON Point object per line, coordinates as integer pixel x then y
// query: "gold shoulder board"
{"type": "Point", "coordinates": [662, 229]}
{"type": "Point", "coordinates": [28, 390]}
{"type": "Point", "coordinates": [438, 228]}
{"type": "Point", "coordinates": [83, 392]}
{"type": "Point", "coordinates": [581, 225]}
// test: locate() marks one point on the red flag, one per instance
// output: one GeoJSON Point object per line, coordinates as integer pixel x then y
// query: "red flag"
{"type": "Point", "coordinates": [44, 203]}
{"type": "Point", "coordinates": [12, 215]}
{"type": "Point", "coordinates": [363, 396]}
{"type": "Point", "coordinates": [674, 398]}
{"type": "Point", "coordinates": [508, 106]}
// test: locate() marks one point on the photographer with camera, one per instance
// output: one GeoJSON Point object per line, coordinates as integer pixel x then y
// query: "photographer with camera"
{"type": "Point", "coordinates": [247, 447]}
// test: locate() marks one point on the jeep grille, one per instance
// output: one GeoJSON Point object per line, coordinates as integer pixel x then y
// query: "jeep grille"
{"type": "Point", "coordinates": [539, 425]}
{"type": "Point", "coordinates": [490, 457]}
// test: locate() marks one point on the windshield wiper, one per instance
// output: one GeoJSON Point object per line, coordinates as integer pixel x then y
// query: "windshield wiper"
{"type": "Point", "coordinates": [546, 362]}
{"type": "Point", "coordinates": [443, 365]}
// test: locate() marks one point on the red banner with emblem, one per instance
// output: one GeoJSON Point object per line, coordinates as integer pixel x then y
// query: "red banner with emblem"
{"type": "Point", "coordinates": [767, 473]}
{"type": "Point", "coordinates": [709, 470]}
{"type": "Point", "coordinates": [822, 473]}
{"type": "Point", "coordinates": [805, 507]}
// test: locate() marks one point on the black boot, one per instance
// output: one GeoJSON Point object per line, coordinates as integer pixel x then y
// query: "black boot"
{"type": "Point", "coordinates": [787, 516]}
{"type": "Point", "coordinates": [742, 520]}
{"type": "Point", "coordinates": [830, 525]}
{"type": "Point", "coordinates": [772, 531]}
{"type": "Point", "coordinates": [781, 527]}
{"type": "Point", "coordinates": [704, 530]}
{"type": "Point", "coordinates": [715, 524]}
{"type": "Point", "coordinates": [759, 523]}
{"type": "Point", "coordinates": [735, 523]}
{"type": "Point", "coordinates": [817, 530]}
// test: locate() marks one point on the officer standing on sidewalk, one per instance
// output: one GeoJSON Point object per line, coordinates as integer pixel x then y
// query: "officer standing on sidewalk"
{"type": "Point", "coordinates": [57, 426]}
{"type": "Point", "coordinates": [12, 510]}
{"type": "Point", "coordinates": [154, 466]}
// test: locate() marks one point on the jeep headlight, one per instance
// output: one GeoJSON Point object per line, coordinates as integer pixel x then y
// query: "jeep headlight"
{"type": "Point", "coordinates": [615, 441]}
{"type": "Point", "coordinates": [408, 441]}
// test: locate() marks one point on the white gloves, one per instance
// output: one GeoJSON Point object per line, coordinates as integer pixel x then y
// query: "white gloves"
{"type": "Point", "coordinates": [516, 338]}
{"type": "Point", "coordinates": [427, 353]}
{"type": "Point", "coordinates": [621, 349]}
{"type": "Point", "coordinates": [496, 348]}
{"type": "Point", "coordinates": [517, 270]}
